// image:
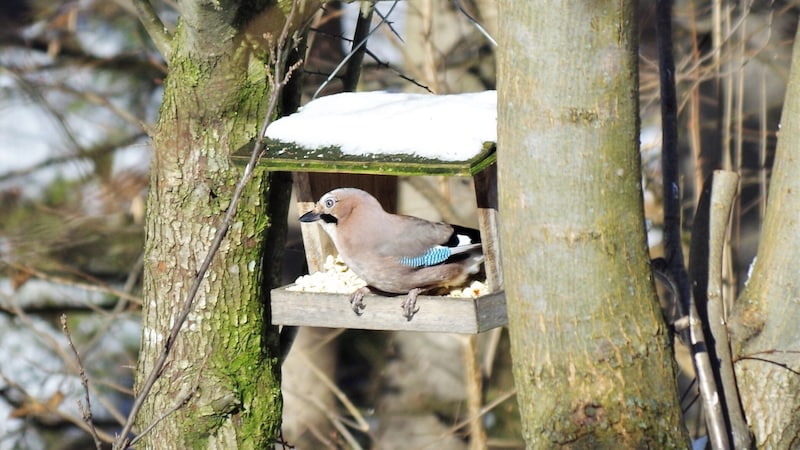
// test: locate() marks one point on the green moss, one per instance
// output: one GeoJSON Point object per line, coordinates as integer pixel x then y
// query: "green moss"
{"type": "Point", "coordinates": [240, 360]}
{"type": "Point", "coordinates": [197, 430]}
{"type": "Point", "coordinates": [290, 157]}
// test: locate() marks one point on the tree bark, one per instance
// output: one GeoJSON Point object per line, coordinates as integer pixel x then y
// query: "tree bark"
{"type": "Point", "coordinates": [591, 354]}
{"type": "Point", "coordinates": [224, 367]}
{"type": "Point", "coordinates": [764, 325]}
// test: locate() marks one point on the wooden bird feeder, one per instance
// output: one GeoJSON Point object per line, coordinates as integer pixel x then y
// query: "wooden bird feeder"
{"type": "Point", "coordinates": [436, 313]}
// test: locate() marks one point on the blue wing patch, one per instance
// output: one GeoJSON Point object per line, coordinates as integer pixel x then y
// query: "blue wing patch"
{"type": "Point", "coordinates": [432, 257]}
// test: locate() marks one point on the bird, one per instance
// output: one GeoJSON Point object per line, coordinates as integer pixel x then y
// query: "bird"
{"type": "Point", "coordinates": [393, 253]}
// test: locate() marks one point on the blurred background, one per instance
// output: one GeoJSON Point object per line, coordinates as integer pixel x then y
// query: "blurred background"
{"type": "Point", "coordinates": [80, 86]}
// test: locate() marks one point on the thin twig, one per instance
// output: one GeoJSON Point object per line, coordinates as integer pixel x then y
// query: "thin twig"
{"type": "Point", "coordinates": [35, 93]}
{"type": "Point", "coordinates": [389, 24]}
{"type": "Point", "coordinates": [690, 390]}
{"type": "Point", "coordinates": [488, 407]}
{"type": "Point", "coordinates": [336, 420]}
{"type": "Point", "coordinates": [475, 23]}
{"type": "Point", "coordinates": [111, 406]}
{"type": "Point", "coordinates": [752, 357]}
{"type": "Point", "coordinates": [769, 361]}
{"type": "Point", "coordinates": [279, 80]}
{"type": "Point", "coordinates": [166, 414]}
{"type": "Point", "coordinates": [382, 64]}
{"type": "Point", "coordinates": [46, 337]}
{"type": "Point", "coordinates": [379, 63]}
{"type": "Point", "coordinates": [183, 401]}
{"type": "Point", "coordinates": [103, 100]}
{"type": "Point", "coordinates": [353, 52]}
{"type": "Point", "coordinates": [122, 303]}
{"type": "Point", "coordinates": [362, 424]}
{"type": "Point", "coordinates": [69, 363]}
{"type": "Point", "coordinates": [87, 411]}
{"type": "Point", "coordinates": [68, 418]}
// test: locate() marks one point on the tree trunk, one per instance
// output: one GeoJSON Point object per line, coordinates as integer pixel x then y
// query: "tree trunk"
{"type": "Point", "coordinates": [591, 353]}
{"type": "Point", "coordinates": [224, 365]}
{"type": "Point", "coordinates": [764, 326]}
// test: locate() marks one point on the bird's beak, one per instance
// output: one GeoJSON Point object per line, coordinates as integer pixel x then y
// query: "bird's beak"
{"type": "Point", "coordinates": [311, 216]}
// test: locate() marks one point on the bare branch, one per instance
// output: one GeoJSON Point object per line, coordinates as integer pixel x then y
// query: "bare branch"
{"type": "Point", "coordinates": [379, 63]}
{"type": "Point", "coordinates": [86, 412]}
{"type": "Point", "coordinates": [361, 423]}
{"type": "Point", "coordinates": [475, 24]}
{"type": "Point", "coordinates": [383, 64]}
{"type": "Point", "coordinates": [133, 275]}
{"type": "Point", "coordinates": [769, 361]}
{"type": "Point", "coordinates": [723, 191]}
{"type": "Point", "coordinates": [159, 33]}
{"type": "Point", "coordinates": [49, 341]}
{"type": "Point", "coordinates": [336, 420]}
{"type": "Point", "coordinates": [353, 51]}
{"type": "Point", "coordinates": [166, 414]}
{"type": "Point", "coordinates": [51, 407]}
{"type": "Point", "coordinates": [488, 407]}
{"type": "Point", "coordinates": [389, 24]}
{"type": "Point", "coordinates": [183, 401]}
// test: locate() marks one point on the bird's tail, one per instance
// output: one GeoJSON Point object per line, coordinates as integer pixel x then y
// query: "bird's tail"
{"type": "Point", "coordinates": [464, 248]}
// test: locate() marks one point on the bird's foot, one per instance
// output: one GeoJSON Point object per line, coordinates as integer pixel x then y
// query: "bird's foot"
{"type": "Point", "coordinates": [357, 301]}
{"type": "Point", "coordinates": [410, 304]}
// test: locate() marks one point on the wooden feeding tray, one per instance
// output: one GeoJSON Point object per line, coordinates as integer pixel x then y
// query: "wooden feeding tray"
{"type": "Point", "coordinates": [310, 162]}
{"type": "Point", "coordinates": [436, 313]}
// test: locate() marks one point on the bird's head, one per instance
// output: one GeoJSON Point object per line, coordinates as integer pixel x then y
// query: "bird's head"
{"type": "Point", "coordinates": [323, 210]}
{"type": "Point", "coordinates": [338, 204]}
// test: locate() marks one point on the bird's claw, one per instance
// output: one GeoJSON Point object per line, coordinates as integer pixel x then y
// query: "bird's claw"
{"type": "Point", "coordinates": [358, 305]}
{"type": "Point", "coordinates": [357, 301]}
{"type": "Point", "coordinates": [409, 309]}
{"type": "Point", "coordinates": [409, 305]}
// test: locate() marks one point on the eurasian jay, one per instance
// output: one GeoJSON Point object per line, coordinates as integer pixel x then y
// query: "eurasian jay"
{"type": "Point", "coordinates": [395, 254]}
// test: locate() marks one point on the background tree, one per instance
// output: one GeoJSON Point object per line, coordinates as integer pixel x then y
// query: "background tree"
{"type": "Point", "coordinates": [765, 317]}
{"type": "Point", "coordinates": [223, 368]}
{"type": "Point", "coordinates": [591, 355]}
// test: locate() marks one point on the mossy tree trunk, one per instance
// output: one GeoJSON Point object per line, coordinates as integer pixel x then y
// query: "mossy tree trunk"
{"type": "Point", "coordinates": [765, 326]}
{"type": "Point", "coordinates": [591, 354]}
{"type": "Point", "coordinates": [215, 100]}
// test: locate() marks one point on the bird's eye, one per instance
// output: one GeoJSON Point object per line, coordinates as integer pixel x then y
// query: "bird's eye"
{"type": "Point", "coordinates": [329, 202]}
